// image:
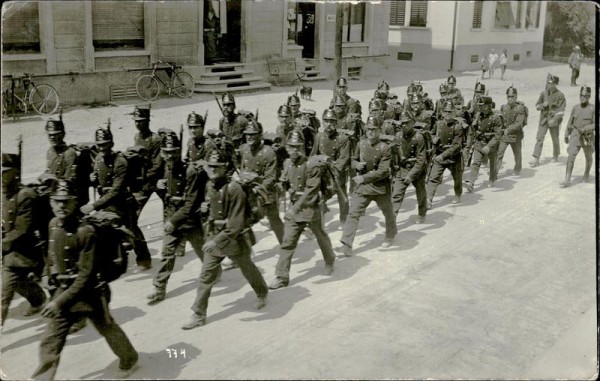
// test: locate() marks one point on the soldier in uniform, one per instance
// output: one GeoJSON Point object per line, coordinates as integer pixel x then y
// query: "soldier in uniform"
{"type": "Point", "coordinates": [22, 259]}
{"type": "Point", "coordinates": [286, 124]}
{"type": "Point", "coordinates": [580, 134]}
{"type": "Point", "coordinates": [427, 101]}
{"type": "Point", "coordinates": [342, 91]}
{"type": "Point", "coordinates": [227, 235]}
{"type": "Point", "coordinates": [73, 268]}
{"type": "Point", "coordinates": [302, 181]}
{"type": "Point", "coordinates": [376, 110]}
{"type": "Point", "coordinates": [447, 144]}
{"type": "Point", "coordinates": [198, 145]}
{"type": "Point", "coordinates": [182, 189]}
{"type": "Point", "coordinates": [551, 104]}
{"type": "Point", "coordinates": [371, 161]}
{"type": "Point", "coordinates": [412, 162]}
{"type": "Point", "coordinates": [471, 116]}
{"type": "Point", "coordinates": [110, 177]}
{"type": "Point", "coordinates": [260, 159]}
{"type": "Point", "coordinates": [514, 117]}
{"type": "Point", "coordinates": [454, 93]}
{"type": "Point", "coordinates": [439, 105]}
{"type": "Point", "coordinates": [336, 145]}
{"type": "Point", "coordinates": [486, 137]}
{"type": "Point", "coordinates": [232, 124]}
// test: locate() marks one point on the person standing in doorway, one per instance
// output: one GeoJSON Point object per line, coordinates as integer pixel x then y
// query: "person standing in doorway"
{"type": "Point", "coordinates": [212, 30]}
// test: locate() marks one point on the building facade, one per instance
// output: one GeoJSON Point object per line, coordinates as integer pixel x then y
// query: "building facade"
{"type": "Point", "coordinates": [85, 47]}
{"type": "Point", "coordinates": [455, 34]}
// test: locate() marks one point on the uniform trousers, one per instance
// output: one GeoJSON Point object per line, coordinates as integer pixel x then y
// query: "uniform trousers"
{"type": "Point", "coordinates": [293, 230]}
{"type": "Point", "coordinates": [541, 135]}
{"type": "Point", "coordinates": [437, 174]}
{"type": "Point", "coordinates": [171, 242]}
{"type": "Point", "coordinates": [476, 164]}
{"type": "Point", "coordinates": [588, 151]}
{"type": "Point", "coordinates": [272, 213]}
{"type": "Point", "coordinates": [140, 247]}
{"type": "Point", "coordinates": [399, 190]}
{"type": "Point", "coordinates": [211, 271]}
{"type": "Point", "coordinates": [342, 196]}
{"type": "Point", "coordinates": [359, 204]}
{"type": "Point", "coordinates": [16, 279]}
{"type": "Point", "coordinates": [516, 149]}
{"type": "Point", "coordinates": [58, 328]}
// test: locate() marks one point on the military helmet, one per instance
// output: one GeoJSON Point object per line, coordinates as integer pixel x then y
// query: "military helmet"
{"type": "Point", "coordinates": [511, 91]}
{"type": "Point", "coordinates": [103, 135]}
{"type": "Point", "coordinates": [371, 125]}
{"type": "Point", "coordinates": [63, 190]}
{"type": "Point", "coordinates": [443, 88]}
{"type": "Point", "coordinates": [329, 114]}
{"type": "Point", "coordinates": [295, 139]}
{"type": "Point", "coordinates": [195, 120]}
{"type": "Point", "coordinates": [342, 82]}
{"type": "Point", "coordinates": [451, 79]}
{"type": "Point", "coordinates": [10, 160]}
{"type": "Point", "coordinates": [485, 100]}
{"type": "Point", "coordinates": [170, 142]}
{"type": "Point", "coordinates": [383, 86]}
{"type": "Point", "coordinates": [417, 85]}
{"type": "Point", "coordinates": [479, 88]}
{"type": "Point", "coordinates": [141, 113]}
{"type": "Point", "coordinates": [284, 110]}
{"type": "Point", "coordinates": [227, 99]}
{"type": "Point", "coordinates": [339, 101]}
{"type": "Point", "coordinates": [416, 98]}
{"type": "Point", "coordinates": [164, 131]}
{"type": "Point", "coordinates": [252, 128]}
{"type": "Point", "coordinates": [375, 104]}
{"type": "Point", "coordinates": [552, 79]}
{"type": "Point", "coordinates": [448, 106]}
{"type": "Point", "coordinates": [54, 126]}
{"type": "Point", "coordinates": [410, 90]}
{"type": "Point", "coordinates": [214, 159]}
{"type": "Point", "coordinates": [293, 100]}
{"type": "Point", "coordinates": [371, 119]}
{"type": "Point", "coordinates": [585, 91]}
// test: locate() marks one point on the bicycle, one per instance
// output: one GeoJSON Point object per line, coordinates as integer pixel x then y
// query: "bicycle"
{"type": "Point", "coordinates": [181, 83]}
{"type": "Point", "coordinates": [43, 98]}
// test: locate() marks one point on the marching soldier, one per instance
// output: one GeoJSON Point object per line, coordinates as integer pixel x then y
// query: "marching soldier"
{"type": "Point", "coordinates": [22, 258]}
{"type": "Point", "coordinates": [302, 181]}
{"type": "Point", "coordinates": [454, 93]}
{"type": "Point", "coordinates": [551, 104]}
{"type": "Point", "coordinates": [227, 235]}
{"type": "Point", "coordinates": [439, 104]}
{"type": "Point", "coordinates": [302, 122]}
{"type": "Point", "coordinates": [198, 145]}
{"type": "Point", "coordinates": [514, 117]}
{"type": "Point", "coordinates": [348, 123]}
{"type": "Point", "coordinates": [371, 161]}
{"type": "Point", "coordinates": [471, 115]}
{"type": "Point", "coordinates": [353, 105]}
{"type": "Point", "coordinates": [486, 134]}
{"type": "Point", "coordinates": [182, 189]}
{"type": "Point", "coordinates": [412, 162]}
{"type": "Point", "coordinates": [580, 134]}
{"type": "Point", "coordinates": [286, 124]}
{"type": "Point", "coordinates": [376, 110]}
{"type": "Point", "coordinates": [232, 124]}
{"type": "Point", "coordinates": [336, 145]}
{"type": "Point", "coordinates": [110, 178]}
{"type": "Point", "coordinates": [427, 101]}
{"type": "Point", "coordinates": [447, 144]}
{"type": "Point", "coordinates": [260, 159]}
{"type": "Point", "coordinates": [80, 291]}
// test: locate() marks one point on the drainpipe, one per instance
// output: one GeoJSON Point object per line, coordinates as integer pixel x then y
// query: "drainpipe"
{"type": "Point", "coordinates": [453, 38]}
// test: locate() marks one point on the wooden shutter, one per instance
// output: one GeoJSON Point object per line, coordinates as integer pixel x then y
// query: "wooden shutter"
{"type": "Point", "coordinates": [418, 13]}
{"type": "Point", "coordinates": [21, 27]}
{"type": "Point", "coordinates": [504, 15]}
{"type": "Point", "coordinates": [477, 12]}
{"type": "Point", "coordinates": [519, 14]}
{"type": "Point", "coordinates": [397, 12]}
{"type": "Point", "coordinates": [117, 22]}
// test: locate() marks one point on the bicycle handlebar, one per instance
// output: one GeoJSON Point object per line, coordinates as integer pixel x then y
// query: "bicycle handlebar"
{"type": "Point", "coordinates": [170, 65]}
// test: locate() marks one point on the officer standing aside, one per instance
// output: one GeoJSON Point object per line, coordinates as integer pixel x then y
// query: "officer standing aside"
{"type": "Point", "coordinates": [551, 104]}
{"type": "Point", "coordinates": [260, 159]}
{"type": "Point", "coordinates": [73, 265]}
{"type": "Point", "coordinates": [486, 134]}
{"type": "Point", "coordinates": [182, 189]}
{"type": "Point", "coordinates": [22, 259]}
{"type": "Point", "coordinates": [514, 118]}
{"type": "Point", "coordinates": [371, 161]}
{"type": "Point", "coordinates": [227, 235]}
{"type": "Point", "coordinates": [232, 124]}
{"type": "Point", "coordinates": [580, 134]}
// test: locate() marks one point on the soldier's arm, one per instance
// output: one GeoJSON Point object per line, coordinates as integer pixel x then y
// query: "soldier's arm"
{"type": "Point", "coordinates": [23, 225]}
{"type": "Point", "coordinates": [119, 184]}
{"type": "Point", "coordinates": [570, 126]}
{"type": "Point", "coordinates": [157, 163]}
{"type": "Point", "coordinates": [592, 126]}
{"type": "Point", "coordinates": [86, 241]}
{"type": "Point", "coordinates": [383, 167]}
{"type": "Point", "coordinates": [540, 99]}
{"type": "Point", "coordinates": [70, 160]}
{"type": "Point", "coordinates": [315, 147]}
{"type": "Point", "coordinates": [497, 124]}
{"type": "Point", "coordinates": [355, 156]}
{"type": "Point", "coordinates": [310, 196]}
{"type": "Point", "coordinates": [517, 125]}
{"type": "Point", "coordinates": [192, 197]}
{"type": "Point", "coordinates": [341, 163]}
{"type": "Point", "coordinates": [455, 145]}
{"type": "Point", "coordinates": [235, 216]}
{"type": "Point", "coordinates": [421, 161]}
{"type": "Point", "coordinates": [270, 174]}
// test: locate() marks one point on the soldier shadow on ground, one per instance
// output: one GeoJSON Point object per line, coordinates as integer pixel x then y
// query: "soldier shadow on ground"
{"type": "Point", "coordinates": [280, 303]}
{"type": "Point", "coordinates": [164, 365]}
{"type": "Point", "coordinates": [231, 281]}
{"type": "Point", "coordinates": [88, 334]}
{"type": "Point", "coordinates": [525, 173]}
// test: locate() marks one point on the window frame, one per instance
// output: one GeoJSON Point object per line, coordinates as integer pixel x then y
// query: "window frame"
{"type": "Point", "coordinates": [394, 13]}
{"type": "Point", "coordinates": [477, 11]}
{"type": "Point", "coordinates": [119, 45]}
{"type": "Point", "coordinates": [504, 17]}
{"type": "Point", "coordinates": [412, 7]}
{"type": "Point", "coordinates": [29, 48]}
{"type": "Point", "coordinates": [347, 19]}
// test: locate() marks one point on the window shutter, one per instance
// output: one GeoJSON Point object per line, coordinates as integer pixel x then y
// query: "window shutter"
{"type": "Point", "coordinates": [504, 15]}
{"type": "Point", "coordinates": [418, 13]}
{"type": "Point", "coordinates": [397, 12]}
{"type": "Point", "coordinates": [20, 27]}
{"type": "Point", "coordinates": [117, 20]}
{"type": "Point", "coordinates": [477, 11]}
{"type": "Point", "coordinates": [519, 14]}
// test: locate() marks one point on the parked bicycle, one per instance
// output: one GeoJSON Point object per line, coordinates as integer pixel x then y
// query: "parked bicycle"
{"type": "Point", "coordinates": [180, 82]}
{"type": "Point", "coordinates": [42, 98]}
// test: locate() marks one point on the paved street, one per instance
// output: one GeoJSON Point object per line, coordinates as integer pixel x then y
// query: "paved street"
{"type": "Point", "coordinates": [502, 286]}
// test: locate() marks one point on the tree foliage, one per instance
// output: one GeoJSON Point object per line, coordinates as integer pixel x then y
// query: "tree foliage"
{"type": "Point", "coordinates": [574, 23]}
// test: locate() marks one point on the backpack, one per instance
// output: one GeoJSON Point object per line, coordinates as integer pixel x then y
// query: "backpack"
{"type": "Point", "coordinates": [329, 185]}
{"type": "Point", "coordinates": [84, 166]}
{"type": "Point", "coordinates": [255, 196]}
{"type": "Point", "coordinates": [114, 240]}
{"type": "Point", "coordinates": [526, 112]}
{"type": "Point", "coordinates": [137, 166]}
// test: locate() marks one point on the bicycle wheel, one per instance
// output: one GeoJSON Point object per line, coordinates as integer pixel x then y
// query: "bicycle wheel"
{"type": "Point", "coordinates": [183, 85]}
{"type": "Point", "coordinates": [147, 87]}
{"type": "Point", "coordinates": [44, 99]}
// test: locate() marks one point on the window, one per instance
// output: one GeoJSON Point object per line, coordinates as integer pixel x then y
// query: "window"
{"type": "Point", "coordinates": [118, 25]}
{"type": "Point", "coordinates": [528, 53]}
{"type": "Point", "coordinates": [532, 17]}
{"type": "Point", "coordinates": [477, 11]}
{"type": "Point", "coordinates": [21, 27]}
{"type": "Point", "coordinates": [516, 57]}
{"type": "Point", "coordinates": [397, 12]}
{"type": "Point", "coordinates": [418, 13]}
{"type": "Point", "coordinates": [404, 56]}
{"type": "Point", "coordinates": [474, 58]}
{"type": "Point", "coordinates": [504, 15]}
{"type": "Point", "coordinates": [519, 14]}
{"type": "Point", "coordinates": [354, 22]}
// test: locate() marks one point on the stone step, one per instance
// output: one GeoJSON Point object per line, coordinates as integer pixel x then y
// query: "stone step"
{"type": "Point", "coordinates": [226, 73]}
{"type": "Point", "coordinates": [237, 88]}
{"type": "Point", "coordinates": [228, 81]}
{"type": "Point", "coordinates": [224, 67]}
{"type": "Point", "coordinates": [314, 79]}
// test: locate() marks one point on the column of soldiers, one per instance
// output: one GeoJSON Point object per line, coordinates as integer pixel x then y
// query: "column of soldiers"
{"type": "Point", "coordinates": [206, 202]}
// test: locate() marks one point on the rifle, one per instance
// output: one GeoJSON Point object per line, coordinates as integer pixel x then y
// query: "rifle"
{"type": "Point", "coordinates": [218, 103]}
{"type": "Point", "coordinates": [20, 153]}
{"type": "Point", "coordinates": [205, 116]}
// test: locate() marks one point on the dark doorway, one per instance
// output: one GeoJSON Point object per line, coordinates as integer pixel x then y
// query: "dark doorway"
{"type": "Point", "coordinates": [233, 38]}
{"type": "Point", "coordinates": [306, 37]}
{"type": "Point", "coordinates": [230, 31]}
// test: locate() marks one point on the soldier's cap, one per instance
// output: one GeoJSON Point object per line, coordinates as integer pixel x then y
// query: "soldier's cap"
{"type": "Point", "coordinates": [214, 159]}
{"type": "Point", "coordinates": [170, 142]}
{"type": "Point", "coordinates": [309, 112]}
{"type": "Point", "coordinates": [417, 85]}
{"type": "Point", "coordinates": [342, 82]}
{"type": "Point", "coordinates": [443, 88]}
{"type": "Point", "coordinates": [138, 149]}
{"type": "Point", "coordinates": [411, 89]}
{"type": "Point", "coordinates": [371, 125]}
{"type": "Point", "coordinates": [284, 110]}
{"type": "Point", "coordinates": [10, 160]}
{"type": "Point", "coordinates": [585, 91]}
{"type": "Point", "coordinates": [295, 139]}
{"type": "Point", "coordinates": [329, 114]}
{"type": "Point", "coordinates": [164, 131]}
{"type": "Point", "coordinates": [511, 91]}
{"type": "Point", "coordinates": [252, 128]}
{"type": "Point", "coordinates": [383, 86]}
{"type": "Point", "coordinates": [293, 100]}
{"type": "Point", "coordinates": [448, 106]}
{"type": "Point", "coordinates": [339, 101]}
{"type": "Point", "coordinates": [375, 104]}
{"type": "Point", "coordinates": [103, 135]}
{"type": "Point", "coordinates": [371, 120]}
{"type": "Point", "coordinates": [227, 99]}
{"type": "Point", "coordinates": [195, 120]}
{"type": "Point", "coordinates": [552, 79]}
{"type": "Point", "coordinates": [141, 113]}
{"type": "Point", "coordinates": [485, 100]}
{"type": "Point", "coordinates": [416, 98]}
{"type": "Point", "coordinates": [63, 190]}
{"type": "Point", "coordinates": [54, 127]}
{"type": "Point", "coordinates": [451, 79]}
{"type": "Point", "coordinates": [480, 88]}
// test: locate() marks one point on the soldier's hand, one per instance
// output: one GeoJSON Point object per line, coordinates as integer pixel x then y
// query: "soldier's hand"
{"type": "Point", "coordinates": [204, 207]}
{"type": "Point", "coordinates": [360, 166]}
{"type": "Point", "coordinates": [94, 178]}
{"type": "Point", "coordinates": [169, 227]}
{"type": "Point", "coordinates": [485, 150]}
{"type": "Point", "coordinates": [566, 140]}
{"type": "Point", "coordinates": [358, 180]}
{"type": "Point", "coordinates": [209, 247]}
{"type": "Point", "coordinates": [50, 310]}
{"type": "Point", "coordinates": [87, 209]}
{"type": "Point", "coordinates": [161, 184]}
{"type": "Point", "coordinates": [438, 159]}
{"type": "Point", "coordinates": [289, 214]}
{"type": "Point", "coordinates": [407, 181]}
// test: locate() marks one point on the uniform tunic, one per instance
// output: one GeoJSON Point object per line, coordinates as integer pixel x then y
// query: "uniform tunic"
{"type": "Point", "coordinates": [551, 115]}
{"type": "Point", "coordinates": [580, 131]}
{"type": "Point", "coordinates": [448, 137]}
{"type": "Point", "coordinates": [514, 118]}
{"type": "Point", "coordinates": [234, 128]}
{"type": "Point", "coordinates": [485, 134]}
{"type": "Point", "coordinates": [413, 166]}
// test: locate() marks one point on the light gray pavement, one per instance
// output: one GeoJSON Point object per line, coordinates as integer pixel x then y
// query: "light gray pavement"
{"type": "Point", "coordinates": [501, 286]}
